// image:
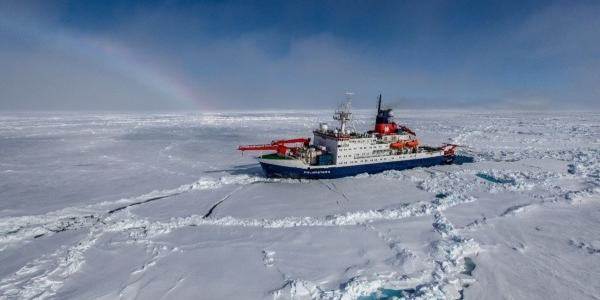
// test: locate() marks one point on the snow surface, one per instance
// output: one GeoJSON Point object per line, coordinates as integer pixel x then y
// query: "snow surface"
{"type": "Point", "coordinates": [105, 206]}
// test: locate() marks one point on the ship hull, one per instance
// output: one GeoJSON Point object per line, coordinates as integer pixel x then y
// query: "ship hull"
{"type": "Point", "coordinates": [274, 170]}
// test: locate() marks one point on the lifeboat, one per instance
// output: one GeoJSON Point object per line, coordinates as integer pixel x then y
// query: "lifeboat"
{"type": "Point", "coordinates": [412, 144]}
{"type": "Point", "coordinates": [397, 145]}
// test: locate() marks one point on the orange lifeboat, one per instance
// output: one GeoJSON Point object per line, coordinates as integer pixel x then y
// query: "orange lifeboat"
{"type": "Point", "coordinates": [412, 144]}
{"type": "Point", "coordinates": [397, 145]}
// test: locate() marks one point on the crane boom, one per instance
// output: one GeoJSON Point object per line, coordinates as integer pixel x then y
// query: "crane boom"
{"type": "Point", "coordinates": [304, 141]}
{"type": "Point", "coordinates": [278, 145]}
{"type": "Point", "coordinates": [264, 147]}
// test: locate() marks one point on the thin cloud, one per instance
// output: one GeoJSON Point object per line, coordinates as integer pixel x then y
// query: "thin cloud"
{"type": "Point", "coordinates": [241, 56]}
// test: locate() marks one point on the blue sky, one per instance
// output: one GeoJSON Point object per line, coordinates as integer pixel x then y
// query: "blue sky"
{"type": "Point", "coordinates": [179, 55]}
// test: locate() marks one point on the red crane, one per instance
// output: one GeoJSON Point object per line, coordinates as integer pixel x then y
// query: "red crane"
{"type": "Point", "coordinates": [279, 145]}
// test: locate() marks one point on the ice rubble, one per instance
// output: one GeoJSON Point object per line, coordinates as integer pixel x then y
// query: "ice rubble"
{"type": "Point", "coordinates": [467, 216]}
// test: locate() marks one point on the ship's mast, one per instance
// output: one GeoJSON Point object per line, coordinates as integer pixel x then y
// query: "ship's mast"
{"type": "Point", "coordinates": [343, 113]}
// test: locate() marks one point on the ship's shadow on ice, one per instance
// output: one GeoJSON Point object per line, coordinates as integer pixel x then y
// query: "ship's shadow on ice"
{"type": "Point", "coordinates": [462, 159]}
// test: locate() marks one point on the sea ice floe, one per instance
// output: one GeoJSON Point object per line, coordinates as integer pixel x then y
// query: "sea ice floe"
{"type": "Point", "coordinates": [55, 170]}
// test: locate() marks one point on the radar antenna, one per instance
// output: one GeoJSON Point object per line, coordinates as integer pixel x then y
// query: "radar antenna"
{"type": "Point", "coordinates": [343, 113]}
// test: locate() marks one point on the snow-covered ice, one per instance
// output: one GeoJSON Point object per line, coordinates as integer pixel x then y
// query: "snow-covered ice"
{"type": "Point", "coordinates": [105, 206]}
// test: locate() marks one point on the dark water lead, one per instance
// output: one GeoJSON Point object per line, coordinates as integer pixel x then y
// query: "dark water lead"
{"type": "Point", "coordinates": [441, 195]}
{"type": "Point", "coordinates": [385, 294]}
{"type": "Point", "coordinates": [469, 266]}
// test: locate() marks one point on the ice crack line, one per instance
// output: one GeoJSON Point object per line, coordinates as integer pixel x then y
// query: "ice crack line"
{"type": "Point", "coordinates": [68, 260]}
{"type": "Point", "coordinates": [212, 208]}
{"type": "Point", "coordinates": [346, 219]}
{"type": "Point", "coordinates": [43, 277]}
{"type": "Point", "coordinates": [332, 187]}
{"type": "Point", "coordinates": [15, 229]}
